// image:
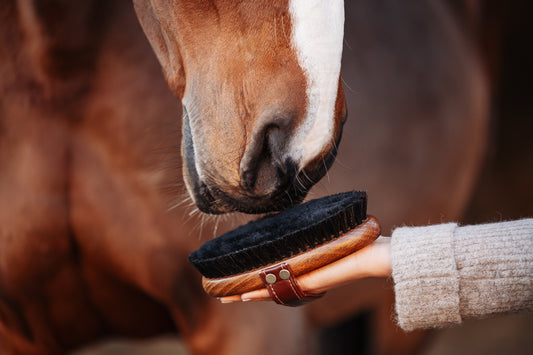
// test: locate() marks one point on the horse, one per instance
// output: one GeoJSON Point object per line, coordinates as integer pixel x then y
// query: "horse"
{"type": "Point", "coordinates": [283, 114]}
{"type": "Point", "coordinates": [90, 153]}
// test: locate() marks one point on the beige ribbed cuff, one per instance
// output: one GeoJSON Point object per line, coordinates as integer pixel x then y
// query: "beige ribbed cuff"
{"type": "Point", "coordinates": [495, 265]}
{"type": "Point", "coordinates": [445, 273]}
{"type": "Point", "coordinates": [425, 276]}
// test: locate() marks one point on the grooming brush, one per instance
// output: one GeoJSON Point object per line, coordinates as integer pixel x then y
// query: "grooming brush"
{"type": "Point", "coordinates": [272, 251]}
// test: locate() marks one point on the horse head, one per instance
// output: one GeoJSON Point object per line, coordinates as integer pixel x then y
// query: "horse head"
{"type": "Point", "coordinates": [259, 82]}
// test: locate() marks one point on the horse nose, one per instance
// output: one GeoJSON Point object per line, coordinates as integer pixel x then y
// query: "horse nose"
{"type": "Point", "coordinates": [264, 168]}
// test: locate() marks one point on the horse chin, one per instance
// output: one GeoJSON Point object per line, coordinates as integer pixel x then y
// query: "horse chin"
{"type": "Point", "coordinates": [215, 201]}
{"type": "Point", "coordinates": [212, 200]}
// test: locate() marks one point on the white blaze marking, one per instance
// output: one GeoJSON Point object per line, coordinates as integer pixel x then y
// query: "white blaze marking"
{"type": "Point", "coordinates": [317, 35]}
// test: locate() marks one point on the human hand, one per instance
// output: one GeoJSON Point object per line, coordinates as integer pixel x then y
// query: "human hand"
{"type": "Point", "coordinates": [373, 260]}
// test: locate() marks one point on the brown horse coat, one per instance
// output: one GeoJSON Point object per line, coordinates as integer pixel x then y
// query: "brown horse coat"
{"type": "Point", "coordinates": [89, 155]}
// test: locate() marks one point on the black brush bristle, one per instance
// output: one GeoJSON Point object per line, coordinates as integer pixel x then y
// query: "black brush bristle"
{"type": "Point", "coordinates": [274, 238]}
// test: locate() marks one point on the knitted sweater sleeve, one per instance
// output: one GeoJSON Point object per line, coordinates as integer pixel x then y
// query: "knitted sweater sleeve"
{"type": "Point", "coordinates": [445, 273]}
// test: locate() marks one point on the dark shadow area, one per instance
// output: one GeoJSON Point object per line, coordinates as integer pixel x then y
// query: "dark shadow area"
{"type": "Point", "coordinates": [350, 337]}
{"type": "Point", "coordinates": [505, 188]}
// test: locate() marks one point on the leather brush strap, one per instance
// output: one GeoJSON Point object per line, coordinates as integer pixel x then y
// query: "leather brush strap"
{"type": "Point", "coordinates": [283, 288]}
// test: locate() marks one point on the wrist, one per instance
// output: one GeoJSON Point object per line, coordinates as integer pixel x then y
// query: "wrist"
{"type": "Point", "coordinates": [380, 260]}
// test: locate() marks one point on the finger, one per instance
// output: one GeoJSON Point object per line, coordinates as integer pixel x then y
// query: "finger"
{"type": "Point", "coordinates": [256, 295]}
{"type": "Point", "coordinates": [230, 299]}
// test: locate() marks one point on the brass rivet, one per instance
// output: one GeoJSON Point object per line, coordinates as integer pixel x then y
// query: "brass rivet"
{"type": "Point", "coordinates": [270, 278]}
{"type": "Point", "coordinates": [284, 274]}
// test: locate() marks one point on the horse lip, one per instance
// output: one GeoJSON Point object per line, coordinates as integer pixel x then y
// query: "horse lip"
{"type": "Point", "coordinates": [251, 204]}
{"type": "Point", "coordinates": [206, 202]}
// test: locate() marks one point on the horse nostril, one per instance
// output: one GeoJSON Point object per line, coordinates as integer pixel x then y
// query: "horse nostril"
{"type": "Point", "coordinates": [263, 171]}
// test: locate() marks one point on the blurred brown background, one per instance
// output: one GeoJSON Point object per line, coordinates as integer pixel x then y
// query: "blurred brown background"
{"type": "Point", "coordinates": [504, 190]}
{"type": "Point", "coordinates": [501, 32]}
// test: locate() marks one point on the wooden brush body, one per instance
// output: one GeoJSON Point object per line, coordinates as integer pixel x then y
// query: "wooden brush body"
{"type": "Point", "coordinates": [302, 263]}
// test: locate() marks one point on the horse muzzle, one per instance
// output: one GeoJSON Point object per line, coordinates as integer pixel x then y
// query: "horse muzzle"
{"type": "Point", "coordinates": [266, 179]}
